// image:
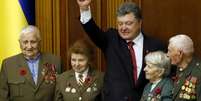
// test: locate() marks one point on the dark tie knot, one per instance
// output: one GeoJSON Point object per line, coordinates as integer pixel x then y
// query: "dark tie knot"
{"type": "Point", "coordinates": [130, 43]}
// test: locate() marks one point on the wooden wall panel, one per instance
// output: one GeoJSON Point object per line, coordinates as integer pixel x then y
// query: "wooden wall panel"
{"type": "Point", "coordinates": [64, 34]}
{"type": "Point", "coordinates": [48, 21]}
{"type": "Point", "coordinates": [56, 27]}
{"type": "Point", "coordinates": [44, 22]}
{"type": "Point", "coordinates": [162, 19]}
{"type": "Point", "coordinates": [112, 6]}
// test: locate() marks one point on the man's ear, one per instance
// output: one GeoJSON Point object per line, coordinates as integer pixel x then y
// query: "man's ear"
{"type": "Point", "coordinates": [181, 53]}
{"type": "Point", "coordinates": [161, 72]}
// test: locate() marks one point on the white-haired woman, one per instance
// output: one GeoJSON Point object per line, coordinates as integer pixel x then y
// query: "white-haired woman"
{"type": "Point", "coordinates": [157, 69]}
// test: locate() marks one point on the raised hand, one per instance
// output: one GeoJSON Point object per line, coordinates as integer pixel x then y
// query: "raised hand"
{"type": "Point", "coordinates": [84, 4]}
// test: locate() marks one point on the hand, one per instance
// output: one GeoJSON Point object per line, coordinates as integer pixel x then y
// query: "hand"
{"type": "Point", "coordinates": [84, 4]}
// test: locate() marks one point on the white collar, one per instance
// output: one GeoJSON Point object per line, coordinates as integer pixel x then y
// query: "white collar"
{"type": "Point", "coordinates": [139, 39]}
{"type": "Point", "coordinates": [84, 74]}
{"type": "Point", "coordinates": [154, 84]}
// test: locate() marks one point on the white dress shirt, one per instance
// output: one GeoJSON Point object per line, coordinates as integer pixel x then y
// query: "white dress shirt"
{"type": "Point", "coordinates": [138, 47]}
{"type": "Point", "coordinates": [85, 16]}
{"type": "Point", "coordinates": [84, 74]}
{"type": "Point", "coordinates": [154, 85]}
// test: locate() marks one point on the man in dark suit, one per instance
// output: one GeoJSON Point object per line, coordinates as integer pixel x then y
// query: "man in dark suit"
{"type": "Point", "coordinates": [30, 75]}
{"type": "Point", "coordinates": [124, 77]}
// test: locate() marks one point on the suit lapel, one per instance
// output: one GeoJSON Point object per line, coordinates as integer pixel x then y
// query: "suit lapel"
{"type": "Point", "coordinates": [159, 85]}
{"type": "Point", "coordinates": [40, 69]}
{"type": "Point", "coordinates": [146, 92]}
{"type": "Point", "coordinates": [23, 64]}
{"type": "Point", "coordinates": [145, 51]}
{"type": "Point", "coordinates": [126, 59]}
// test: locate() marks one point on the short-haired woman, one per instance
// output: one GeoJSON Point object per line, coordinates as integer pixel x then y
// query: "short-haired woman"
{"type": "Point", "coordinates": [157, 69]}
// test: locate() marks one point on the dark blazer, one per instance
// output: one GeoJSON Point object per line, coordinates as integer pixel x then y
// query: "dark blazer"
{"type": "Point", "coordinates": [162, 91]}
{"type": "Point", "coordinates": [67, 88]}
{"type": "Point", "coordinates": [16, 83]}
{"type": "Point", "coordinates": [188, 83]}
{"type": "Point", "coordinates": [118, 80]}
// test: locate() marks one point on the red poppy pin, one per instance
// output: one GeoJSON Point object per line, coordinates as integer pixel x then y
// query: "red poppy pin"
{"type": "Point", "coordinates": [88, 80]}
{"type": "Point", "coordinates": [23, 71]}
{"type": "Point", "coordinates": [157, 90]}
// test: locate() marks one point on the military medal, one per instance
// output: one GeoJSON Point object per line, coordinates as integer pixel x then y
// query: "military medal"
{"type": "Point", "coordinates": [95, 89]}
{"type": "Point", "coordinates": [43, 72]}
{"type": "Point", "coordinates": [73, 90]}
{"type": "Point", "coordinates": [80, 98]}
{"type": "Point", "coordinates": [183, 87]}
{"type": "Point", "coordinates": [67, 89]}
{"type": "Point", "coordinates": [89, 89]}
{"type": "Point", "coordinates": [188, 89]}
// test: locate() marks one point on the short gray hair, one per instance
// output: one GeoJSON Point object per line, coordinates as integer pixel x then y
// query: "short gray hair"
{"type": "Point", "coordinates": [129, 7]}
{"type": "Point", "coordinates": [183, 43]}
{"type": "Point", "coordinates": [159, 59]}
{"type": "Point", "coordinates": [29, 29]}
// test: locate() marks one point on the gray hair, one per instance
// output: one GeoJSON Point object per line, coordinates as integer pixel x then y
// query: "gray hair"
{"type": "Point", "coordinates": [161, 60]}
{"type": "Point", "coordinates": [30, 29]}
{"type": "Point", "coordinates": [129, 7]}
{"type": "Point", "coordinates": [183, 43]}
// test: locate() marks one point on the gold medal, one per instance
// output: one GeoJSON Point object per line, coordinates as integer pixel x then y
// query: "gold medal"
{"type": "Point", "coordinates": [183, 87]}
{"type": "Point", "coordinates": [186, 89]}
{"type": "Point", "coordinates": [188, 97]}
{"type": "Point", "coordinates": [181, 95]}
{"type": "Point", "coordinates": [94, 89]}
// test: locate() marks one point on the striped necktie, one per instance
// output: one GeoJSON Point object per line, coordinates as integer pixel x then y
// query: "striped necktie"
{"type": "Point", "coordinates": [80, 78]}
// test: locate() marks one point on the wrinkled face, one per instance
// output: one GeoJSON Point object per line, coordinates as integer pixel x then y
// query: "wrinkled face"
{"type": "Point", "coordinates": [152, 73]}
{"type": "Point", "coordinates": [29, 45]}
{"type": "Point", "coordinates": [79, 62]}
{"type": "Point", "coordinates": [174, 54]}
{"type": "Point", "coordinates": [128, 26]}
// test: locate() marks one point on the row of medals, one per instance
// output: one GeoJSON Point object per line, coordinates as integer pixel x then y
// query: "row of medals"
{"type": "Point", "coordinates": [89, 89]}
{"type": "Point", "coordinates": [188, 90]}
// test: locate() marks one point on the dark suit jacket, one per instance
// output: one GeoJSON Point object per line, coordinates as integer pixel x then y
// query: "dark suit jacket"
{"type": "Point", "coordinates": [67, 88]}
{"type": "Point", "coordinates": [193, 71]}
{"type": "Point", "coordinates": [165, 93]}
{"type": "Point", "coordinates": [16, 83]}
{"type": "Point", "coordinates": [118, 80]}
